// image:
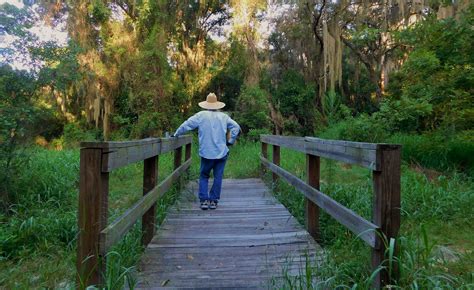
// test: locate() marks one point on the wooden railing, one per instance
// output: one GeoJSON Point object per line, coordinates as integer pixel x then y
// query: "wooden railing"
{"type": "Point", "coordinates": [96, 237]}
{"type": "Point", "coordinates": [382, 159]}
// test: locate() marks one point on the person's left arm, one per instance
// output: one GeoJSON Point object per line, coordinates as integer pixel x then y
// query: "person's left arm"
{"type": "Point", "coordinates": [234, 129]}
{"type": "Point", "coordinates": [188, 125]}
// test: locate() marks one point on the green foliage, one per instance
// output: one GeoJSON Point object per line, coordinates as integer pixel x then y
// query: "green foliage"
{"type": "Point", "coordinates": [252, 108]}
{"type": "Point", "coordinates": [438, 74]}
{"type": "Point", "coordinates": [74, 133]}
{"type": "Point", "coordinates": [363, 128]}
{"type": "Point", "coordinates": [228, 81]}
{"type": "Point", "coordinates": [98, 12]}
{"type": "Point", "coordinates": [438, 150]}
{"type": "Point", "coordinates": [405, 114]}
{"type": "Point", "coordinates": [17, 117]}
{"type": "Point", "coordinates": [295, 100]}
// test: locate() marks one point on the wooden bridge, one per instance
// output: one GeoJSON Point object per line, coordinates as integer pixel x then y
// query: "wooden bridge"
{"type": "Point", "coordinates": [251, 240]}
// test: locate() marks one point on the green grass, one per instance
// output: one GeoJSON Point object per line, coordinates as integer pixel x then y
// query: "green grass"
{"type": "Point", "coordinates": [436, 214]}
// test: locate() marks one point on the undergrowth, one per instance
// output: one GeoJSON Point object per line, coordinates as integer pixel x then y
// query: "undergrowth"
{"type": "Point", "coordinates": [435, 243]}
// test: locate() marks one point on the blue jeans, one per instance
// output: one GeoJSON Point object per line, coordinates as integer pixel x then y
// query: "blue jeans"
{"type": "Point", "coordinates": [217, 166]}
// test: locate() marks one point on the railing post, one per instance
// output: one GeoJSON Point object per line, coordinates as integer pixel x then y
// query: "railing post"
{"type": "Point", "coordinates": [178, 153]}
{"type": "Point", "coordinates": [187, 154]}
{"type": "Point", "coordinates": [276, 160]}
{"type": "Point", "coordinates": [386, 210]}
{"type": "Point", "coordinates": [265, 155]}
{"type": "Point", "coordinates": [92, 217]}
{"type": "Point", "coordinates": [311, 209]}
{"type": "Point", "coordinates": [150, 177]}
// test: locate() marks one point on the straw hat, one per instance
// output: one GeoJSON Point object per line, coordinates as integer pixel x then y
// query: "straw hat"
{"type": "Point", "coordinates": [211, 103]}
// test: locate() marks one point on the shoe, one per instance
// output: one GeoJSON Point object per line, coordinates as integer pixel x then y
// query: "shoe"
{"type": "Point", "coordinates": [213, 205]}
{"type": "Point", "coordinates": [204, 205]}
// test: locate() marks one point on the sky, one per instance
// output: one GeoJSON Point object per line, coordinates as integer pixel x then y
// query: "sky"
{"type": "Point", "coordinates": [57, 34]}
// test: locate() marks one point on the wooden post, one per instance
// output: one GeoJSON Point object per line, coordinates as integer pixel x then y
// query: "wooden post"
{"type": "Point", "coordinates": [187, 154]}
{"type": "Point", "coordinates": [276, 160]}
{"type": "Point", "coordinates": [92, 217]}
{"type": "Point", "coordinates": [150, 177]}
{"type": "Point", "coordinates": [265, 155]}
{"type": "Point", "coordinates": [311, 209]}
{"type": "Point", "coordinates": [386, 210]}
{"type": "Point", "coordinates": [178, 153]}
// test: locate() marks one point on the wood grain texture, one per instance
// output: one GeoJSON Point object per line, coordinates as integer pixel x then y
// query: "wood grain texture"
{"type": "Point", "coordinates": [92, 217]}
{"type": "Point", "coordinates": [242, 244]}
{"type": "Point", "coordinates": [150, 177]}
{"type": "Point", "coordinates": [386, 210]}
{"type": "Point", "coordinates": [351, 220]}
{"type": "Point", "coordinates": [119, 154]}
{"type": "Point", "coordinates": [118, 228]}
{"type": "Point", "coordinates": [295, 143]}
{"type": "Point", "coordinates": [311, 209]}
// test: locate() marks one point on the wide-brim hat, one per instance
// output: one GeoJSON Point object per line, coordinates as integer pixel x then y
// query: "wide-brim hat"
{"type": "Point", "coordinates": [211, 103]}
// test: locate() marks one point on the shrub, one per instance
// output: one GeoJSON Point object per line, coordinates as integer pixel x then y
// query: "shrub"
{"type": "Point", "coordinates": [439, 151]}
{"type": "Point", "coordinates": [363, 128]}
{"type": "Point", "coordinates": [253, 110]}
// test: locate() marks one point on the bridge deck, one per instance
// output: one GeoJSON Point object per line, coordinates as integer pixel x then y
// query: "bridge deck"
{"type": "Point", "coordinates": [249, 241]}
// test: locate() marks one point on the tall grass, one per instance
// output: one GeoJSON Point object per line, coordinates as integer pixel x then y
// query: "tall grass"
{"type": "Point", "coordinates": [435, 244]}
{"type": "Point", "coordinates": [41, 229]}
{"type": "Point", "coordinates": [436, 238]}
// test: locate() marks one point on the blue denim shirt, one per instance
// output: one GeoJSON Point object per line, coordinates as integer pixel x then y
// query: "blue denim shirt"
{"type": "Point", "coordinates": [212, 129]}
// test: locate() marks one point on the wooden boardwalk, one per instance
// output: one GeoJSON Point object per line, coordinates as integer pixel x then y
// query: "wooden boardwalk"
{"type": "Point", "coordinates": [249, 241]}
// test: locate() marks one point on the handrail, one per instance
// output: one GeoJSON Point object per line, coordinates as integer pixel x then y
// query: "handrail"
{"type": "Point", "coordinates": [384, 161]}
{"type": "Point", "coordinates": [98, 159]}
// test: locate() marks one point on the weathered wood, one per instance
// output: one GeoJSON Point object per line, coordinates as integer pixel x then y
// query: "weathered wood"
{"type": "Point", "coordinates": [117, 229]}
{"type": "Point", "coordinates": [296, 143]}
{"type": "Point", "coordinates": [122, 156]}
{"type": "Point", "coordinates": [119, 144]}
{"type": "Point", "coordinates": [341, 151]}
{"type": "Point", "coordinates": [358, 225]}
{"type": "Point", "coordinates": [386, 210]}
{"type": "Point", "coordinates": [117, 155]}
{"type": "Point", "coordinates": [264, 154]}
{"type": "Point", "coordinates": [276, 160]}
{"type": "Point", "coordinates": [170, 144]}
{"type": "Point", "coordinates": [227, 247]}
{"type": "Point", "coordinates": [92, 217]}
{"type": "Point", "coordinates": [178, 157]}
{"type": "Point", "coordinates": [150, 177]}
{"type": "Point", "coordinates": [187, 154]}
{"type": "Point", "coordinates": [311, 209]}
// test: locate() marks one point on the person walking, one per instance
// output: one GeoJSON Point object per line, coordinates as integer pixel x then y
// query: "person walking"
{"type": "Point", "coordinates": [213, 146]}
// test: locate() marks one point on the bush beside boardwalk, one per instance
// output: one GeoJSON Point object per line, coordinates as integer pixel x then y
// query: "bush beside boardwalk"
{"type": "Point", "coordinates": [436, 234]}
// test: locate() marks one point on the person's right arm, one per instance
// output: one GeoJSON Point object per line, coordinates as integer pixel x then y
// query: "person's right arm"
{"type": "Point", "coordinates": [188, 125]}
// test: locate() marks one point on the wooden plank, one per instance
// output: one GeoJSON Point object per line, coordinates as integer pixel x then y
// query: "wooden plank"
{"type": "Point", "coordinates": [362, 145]}
{"type": "Point", "coordinates": [295, 143]}
{"type": "Point", "coordinates": [170, 144]}
{"type": "Point", "coordinates": [276, 160]}
{"type": "Point", "coordinates": [92, 217]}
{"type": "Point", "coordinates": [264, 154]}
{"type": "Point", "coordinates": [358, 225]}
{"type": "Point", "coordinates": [117, 229]}
{"type": "Point", "coordinates": [353, 155]}
{"type": "Point", "coordinates": [150, 177]}
{"type": "Point", "coordinates": [119, 144]}
{"type": "Point", "coordinates": [386, 210]}
{"type": "Point", "coordinates": [311, 209]}
{"type": "Point", "coordinates": [122, 156]}
{"type": "Point", "coordinates": [249, 246]}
